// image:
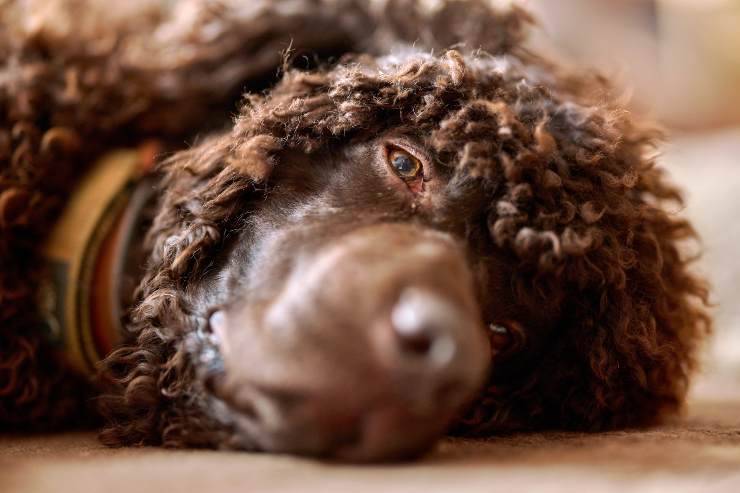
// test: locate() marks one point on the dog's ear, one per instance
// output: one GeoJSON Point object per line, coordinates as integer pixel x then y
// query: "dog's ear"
{"type": "Point", "coordinates": [634, 313]}
{"type": "Point", "coordinates": [588, 217]}
{"type": "Point", "coordinates": [150, 387]}
{"type": "Point", "coordinates": [632, 322]}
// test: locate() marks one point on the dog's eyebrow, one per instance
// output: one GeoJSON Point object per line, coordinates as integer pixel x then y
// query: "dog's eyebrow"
{"type": "Point", "coordinates": [462, 183]}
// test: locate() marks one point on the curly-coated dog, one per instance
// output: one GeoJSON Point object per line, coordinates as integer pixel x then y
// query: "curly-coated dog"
{"type": "Point", "coordinates": [383, 247]}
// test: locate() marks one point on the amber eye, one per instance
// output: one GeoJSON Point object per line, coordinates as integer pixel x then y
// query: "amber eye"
{"type": "Point", "coordinates": [406, 166]}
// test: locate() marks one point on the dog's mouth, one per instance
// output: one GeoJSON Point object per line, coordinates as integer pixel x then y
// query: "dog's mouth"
{"type": "Point", "coordinates": [379, 431]}
{"type": "Point", "coordinates": [369, 437]}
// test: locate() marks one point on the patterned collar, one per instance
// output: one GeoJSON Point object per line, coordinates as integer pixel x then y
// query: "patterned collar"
{"type": "Point", "coordinates": [82, 300]}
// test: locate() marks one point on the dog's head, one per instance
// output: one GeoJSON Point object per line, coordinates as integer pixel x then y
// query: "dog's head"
{"type": "Point", "coordinates": [393, 246]}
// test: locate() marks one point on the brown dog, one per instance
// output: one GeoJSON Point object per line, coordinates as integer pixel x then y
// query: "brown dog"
{"type": "Point", "coordinates": [383, 243]}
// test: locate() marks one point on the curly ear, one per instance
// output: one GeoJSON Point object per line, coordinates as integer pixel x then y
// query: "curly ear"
{"type": "Point", "coordinates": [629, 342]}
{"type": "Point", "coordinates": [151, 394]}
{"type": "Point", "coordinates": [145, 378]}
{"type": "Point", "coordinates": [586, 213]}
{"type": "Point", "coordinates": [635, 314]}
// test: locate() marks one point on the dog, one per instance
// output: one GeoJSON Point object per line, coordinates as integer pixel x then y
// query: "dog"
{"type": "Point", "coordinates": [383, 247]}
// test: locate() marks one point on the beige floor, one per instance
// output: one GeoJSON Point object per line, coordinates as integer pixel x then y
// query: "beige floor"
{"type": "Point", "coordinates": [700, 452]}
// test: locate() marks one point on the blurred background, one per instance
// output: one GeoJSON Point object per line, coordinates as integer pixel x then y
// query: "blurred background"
{"type": "Point", "coordinates": [679, 62]}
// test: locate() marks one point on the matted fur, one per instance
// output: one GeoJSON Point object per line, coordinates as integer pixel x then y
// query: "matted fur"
{"type": "Point", "coordinates": [576, 202]}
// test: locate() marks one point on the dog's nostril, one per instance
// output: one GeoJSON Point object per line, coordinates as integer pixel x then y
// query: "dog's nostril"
{"type": "Point", "coordinates": [415, 342]}
{"type": "Point", "coordinates": [414, 333]}
{"type": "Point", "coordinates": [423, 324]}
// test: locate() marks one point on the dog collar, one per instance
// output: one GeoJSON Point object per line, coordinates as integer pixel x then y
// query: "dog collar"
{"type": "Point", "coordinates": [82, 300]}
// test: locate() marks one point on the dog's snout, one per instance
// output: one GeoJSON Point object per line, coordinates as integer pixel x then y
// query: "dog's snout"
{"type": "Point", "coordinates": [380, 332]}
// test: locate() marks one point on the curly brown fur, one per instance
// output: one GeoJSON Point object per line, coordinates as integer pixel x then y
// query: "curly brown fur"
{"type": "Point", "coordinates": [78, 78]}
{"type": "Point", "coordinates": [572, 197]}
{"type": "Point", "coordinates": [579, 205]}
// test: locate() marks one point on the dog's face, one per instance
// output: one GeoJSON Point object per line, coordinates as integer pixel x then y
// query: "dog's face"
{"type": "Point", "coordinates": [360, 303]}
{"type": "Point", "coordinates": [378, 244]}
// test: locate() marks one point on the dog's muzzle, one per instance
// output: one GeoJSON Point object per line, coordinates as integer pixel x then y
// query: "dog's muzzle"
{"type": "Point", "coordinates": [372, 346]}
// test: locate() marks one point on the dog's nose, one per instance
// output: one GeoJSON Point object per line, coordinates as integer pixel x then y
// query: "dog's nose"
{"type": "Point", "coordinates": [377, 338]}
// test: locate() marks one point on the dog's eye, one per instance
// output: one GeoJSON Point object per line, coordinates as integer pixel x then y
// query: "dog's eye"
{"type": "Point", "coordinates": [406, 166]}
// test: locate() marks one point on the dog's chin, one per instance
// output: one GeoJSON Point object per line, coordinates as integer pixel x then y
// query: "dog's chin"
{"type": "Point", "coordinates": [381, 432]}
{"type": "Point", "coordinates": [381, 436]}
{"type": "Point", "coordinates": [376, 429]}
